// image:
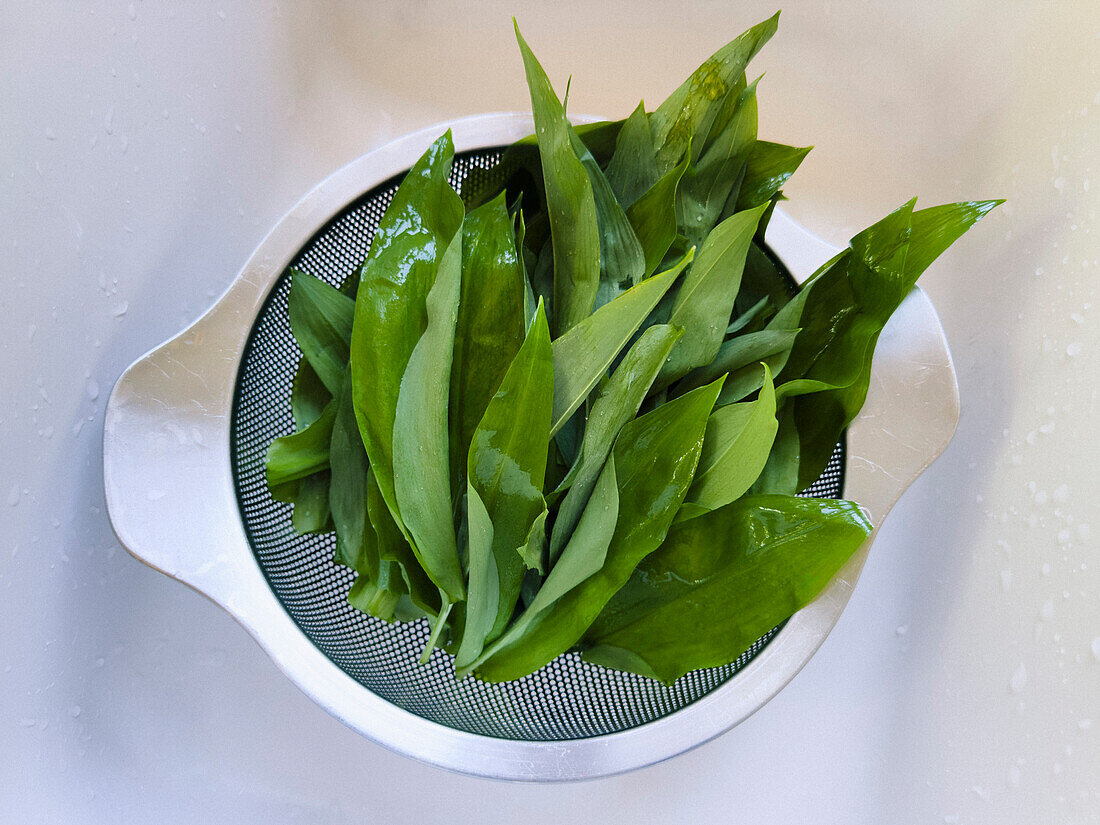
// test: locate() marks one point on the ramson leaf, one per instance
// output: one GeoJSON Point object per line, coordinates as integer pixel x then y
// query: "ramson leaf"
{"type": "Point", "coordinates": [507, 463]}
{"type": "Point", "coordinates": [390, 306]}
{"type": "Point", "coordinates": [721, 581]}
{"type": "Point", "coordinates": [421, 475]}
{"type": "Point", "coordinates": [569, 201]}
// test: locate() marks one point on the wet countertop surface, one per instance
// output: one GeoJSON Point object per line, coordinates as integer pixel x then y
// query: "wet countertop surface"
{"type": "Point", "coordinates": [147, 150]}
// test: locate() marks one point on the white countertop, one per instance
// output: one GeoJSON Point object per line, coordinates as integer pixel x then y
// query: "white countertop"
{"type": "Point", "coordinates": [146, 152]}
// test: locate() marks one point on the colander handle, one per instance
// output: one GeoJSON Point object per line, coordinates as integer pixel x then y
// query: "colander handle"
{"type": "Point", "coordinates": [911, 411]}
{"type": "Point", "coordinates": [166, 462]}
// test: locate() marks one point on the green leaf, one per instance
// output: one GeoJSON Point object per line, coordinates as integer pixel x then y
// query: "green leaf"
{"type": "Point", "coordinates": [529, 301]}
{"type": "Point", "coordinates": [600, 137]}
{"type": "Point", "coordinates": [586, 549]}
{"type": "Point", "coordinates": [438, 625]}
{"type": "Point", "coordinates": [379, 597]}
{"type": "Point", "coordinates": [738, 441]}
{"type": "Point", "coordinates": [311, 510]}
{"type": "Point", "coordinates": [741, 352]}
{"type": "Point", "coordinates": [533, 551]}
{"type": "Point", "coordinates": [936, 228]}
{"type": "Point", "coordinates": [770, 165]}
{"type": "Point", "coordinates": [716, 176]}
{"type": "Point", "coordinates": [751, 314]}
{"type": "Point", "coordinates": [569, 201]}
{"type": "Point", "coordinates": [617, 403]}
{"type": "Point", "coordinates": [653, 216]}
{"type": "Point", "coordinates": [742, 382]}
{"type": "Point", "coordinates": [654, 459]}
{"type": "Point", "coordinates": [690, 111]}
{"type": "Point", "coordinates": [347, 494]}
{"type": "Point", "coordinates": [320, 318]}
{"type": "Point", "coordinates": [308, 396]}
{"type": "Point", "coordinates": [705, 300]}
{"type": "Point", "coordinates": [507, 463]}
{"type": "Point", "coordinates": [421, 474]}
{"type": "Point", "coordinates": [484, 592]}
{"type": "Point", "coordinates": [394, 547]}
{"type": "Point", "coordinates": [390, 311]}
{"type": "Point", "coordinates": [780, 473]}
{"type": "Point", "coordinates": [582, 355]}
{"type": "Point", "coordinates": [632, 170]}
{"type": "Point", "coordinates": [302, 454]}
{"type": "Point", "coordinates": [622, 261]}
{"type": "Point", "coordinates": [721, 581]}
{"type": "Point", "coordinates": [490, 326]}
{"type": "Point", "coordinates": [763, 281]}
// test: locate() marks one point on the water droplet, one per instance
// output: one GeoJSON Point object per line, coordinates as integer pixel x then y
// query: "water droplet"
{"type": "Point", "coordinates": [13, 495]}
{"type": "Point", "coordinates": [901, 630]}
{"type": "Point", "coordinates": [92, 389]}
{"type": "Point", "coordinates": [120, 309]}
{"type": "Point", "coordinates": [131, 10]}
{"type": "Point", "coordinates": [1073, 349]}
{"type": "Point", "coordinates": [51, 134]}
{"type": "Point", "coordinates": [74, 711]}
{"type": "Point", "coordinates": [1096, 648]}
{"type": "Point", "coordinates": [1046, 612]}
{"type": "Point", "coordinates": [1006, 580]}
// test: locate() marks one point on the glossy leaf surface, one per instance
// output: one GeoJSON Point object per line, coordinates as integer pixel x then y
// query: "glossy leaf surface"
{"type": "Point", "coordinates": [390, 306]}
{"type": "Point", "coordinates": [721, 581]}
{"type": "Point", "coordinates": [421, 447]}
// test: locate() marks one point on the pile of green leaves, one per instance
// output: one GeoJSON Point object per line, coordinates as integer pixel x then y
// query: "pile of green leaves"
{"type": "Point", "coordinates": [575, 411]}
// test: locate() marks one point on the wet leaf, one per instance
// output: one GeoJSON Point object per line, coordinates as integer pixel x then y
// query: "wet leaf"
{"type": "Point", "coordinates": [721, 581]}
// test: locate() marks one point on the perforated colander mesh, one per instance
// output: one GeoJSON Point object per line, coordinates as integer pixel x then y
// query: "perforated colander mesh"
{"type": "Point", "coordinates": [568, 699]}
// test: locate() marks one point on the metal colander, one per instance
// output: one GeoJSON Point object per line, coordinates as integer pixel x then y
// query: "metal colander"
{"type": "Point", "coordinates": [566, 700]}
{"type": "Point", "coordinates": [185, 432]}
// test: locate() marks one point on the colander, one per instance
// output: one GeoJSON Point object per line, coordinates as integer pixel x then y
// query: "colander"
{"type": "Point", "coordinates": [187, 426]}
